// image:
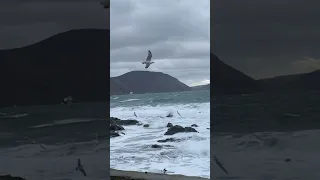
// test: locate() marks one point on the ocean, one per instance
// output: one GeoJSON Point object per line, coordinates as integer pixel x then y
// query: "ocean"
{"type": "Point", "coordinates": [44, 142]}
{"type": "Point", "coordinates": [132, 150]}
{"type": "Point", "coordinates": [255, 136]}
{"type": "Point", "coordinates": [266, 136]}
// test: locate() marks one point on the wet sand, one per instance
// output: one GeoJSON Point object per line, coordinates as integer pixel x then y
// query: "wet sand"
{"type": "Point", "coordinates": [133, 175]}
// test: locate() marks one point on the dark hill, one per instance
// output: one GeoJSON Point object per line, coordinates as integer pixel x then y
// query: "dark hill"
{"type": "Point", "coordinates": [227, 80]}
{"type": "Point", "coordinates": [140, 82]}
{"type": "Point", "coordinates": [201, 87]}
{"type": "Point", "coordinates": [292, 83]}
{"type": "Point", "coordinates": [117, 88]}
{"type": "Point", "coordinates": [72, 63]}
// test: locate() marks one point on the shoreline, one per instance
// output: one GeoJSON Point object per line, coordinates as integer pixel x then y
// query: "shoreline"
{"type": "Point", "coordinates": [135, 175]}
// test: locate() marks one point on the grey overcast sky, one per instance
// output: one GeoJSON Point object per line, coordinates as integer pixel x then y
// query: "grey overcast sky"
{"type": "Point", "coordinates": [176, 31]}
{"type": "Point", "coordinates": [24, 22]}
{"type": "Point", "coordinates": [267, 38]}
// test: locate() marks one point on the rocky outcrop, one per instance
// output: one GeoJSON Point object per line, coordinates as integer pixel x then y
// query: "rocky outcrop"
{"type": "Point", "coordinates": [116, 125]}
{"type": "Point", "coordinates": [114, 120]}
{"type": "Point", "coordinates": [169, 125]}
{"type": "Point", "coordinates": [179, 129]}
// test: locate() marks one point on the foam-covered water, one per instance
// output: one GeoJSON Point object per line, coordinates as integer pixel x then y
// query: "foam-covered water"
{"type": "Point", "coordinates": [274, 155]}
{"type": "Point", "coordinates": [133, 151]}
{"type": "Point", "coordinates": [44, 142]}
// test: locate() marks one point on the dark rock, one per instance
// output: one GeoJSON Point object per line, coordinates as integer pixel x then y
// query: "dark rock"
{"type": "Point", "coordinates": [146, 125]}
{"type": "Point", "coordinates": [169, 125]}
{"type": "Point", "coordinates": [156, 146]}
{"type": "Point", "coordinates": [169, 115]}
{"type": "Point", "coordinates": [114, 134]}
{"type": "Point", "coordinates": [168, 140]}
{"type": "Point", "coordinates": [178, 129]}
{"type": "Point", "coordinates": [128, 122]}
{"type": "Point", "coordinates": [116, 127]}
{"type": "Point", "coordinates": [194, 125]}
{"type": "Point", "coordinates": [190, 129]}
{"type": "Point", "coordinates": [9, 177]}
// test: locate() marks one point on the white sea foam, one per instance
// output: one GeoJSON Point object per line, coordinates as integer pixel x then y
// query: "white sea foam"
{"type": "Point", "coordinates": [191, 156]}
{"type": "Point", "coordinates": [128, 100]}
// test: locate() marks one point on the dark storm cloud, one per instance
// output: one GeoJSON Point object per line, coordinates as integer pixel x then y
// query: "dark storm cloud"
{"type": "Point", "coordinates": [26, 22]}
{"type": "Point", "coordinates": [177, 33]}
{"type": "Point", "coordinates": [265, 38]}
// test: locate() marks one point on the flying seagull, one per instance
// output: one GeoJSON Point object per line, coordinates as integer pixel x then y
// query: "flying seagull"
{"type": "Point", "coordinates": [68, 100]}
{"type": "Point", "coordinates": [220, 165]}
{"type": "Point", "coordinates": [80, 168]}
{"type": "Point", "coordinates": [148, 61]}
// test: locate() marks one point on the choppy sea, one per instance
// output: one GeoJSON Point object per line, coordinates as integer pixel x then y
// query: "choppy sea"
{"type": "Point", "coordinates": [133, 151]}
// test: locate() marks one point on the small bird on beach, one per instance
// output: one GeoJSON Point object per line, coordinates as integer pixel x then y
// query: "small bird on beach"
{"type": "Point", "coordinates": [80, 168]}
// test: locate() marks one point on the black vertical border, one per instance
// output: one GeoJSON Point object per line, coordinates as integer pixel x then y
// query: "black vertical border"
{"type": "Point", "coordinates": [107, 8]}
{"type": "Point", "coordinates": [211, 95]}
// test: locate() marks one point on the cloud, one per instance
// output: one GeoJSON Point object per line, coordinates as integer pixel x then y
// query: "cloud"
{"type": "Point", "coordinates": [263, 38]}
{"type": "Point", "coordinates": [307, 64]}
{"type": "Point", "coordinates": [26, 22]}
{"type": "Point", "coordinates": [176, 32]}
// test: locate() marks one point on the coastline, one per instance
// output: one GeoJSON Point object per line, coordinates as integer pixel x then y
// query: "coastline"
{"type": "Point", "coordinates": [134, 175]}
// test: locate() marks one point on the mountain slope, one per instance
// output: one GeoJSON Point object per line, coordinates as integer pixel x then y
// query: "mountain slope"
{"type": "Point", "coordinates": [72, 63]}
{"type": "Point", "coordinates": [201, 87]}
{"type": "Point", "coordinates": [140, 82]}
{"type": "Point", "coordinates": [227, 80]}
{"type": "Point", "coordinates": [295, 82]}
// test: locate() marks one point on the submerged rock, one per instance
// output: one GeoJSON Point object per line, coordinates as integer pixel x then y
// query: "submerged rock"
{"type": "Point", "coordinates": [178, 129]}
{"type": "Point", "coordinates": [9, 177]}
{"type": "Point", "coordinates": [146, 125]}
{"type": "Point", "coordinates": [156, 146]}
{"type": "Point", "coordinates": [169, 125]}
{"type": "Point", "coordinates": [194, 125]}
{"type": "Point", "coordinates": [168, 140]}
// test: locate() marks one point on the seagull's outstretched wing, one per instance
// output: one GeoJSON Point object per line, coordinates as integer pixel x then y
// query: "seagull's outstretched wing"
{"type": "Point", "coordinates": [149, 56]}
{"type": "Point", "coordinates": [147, 65]}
